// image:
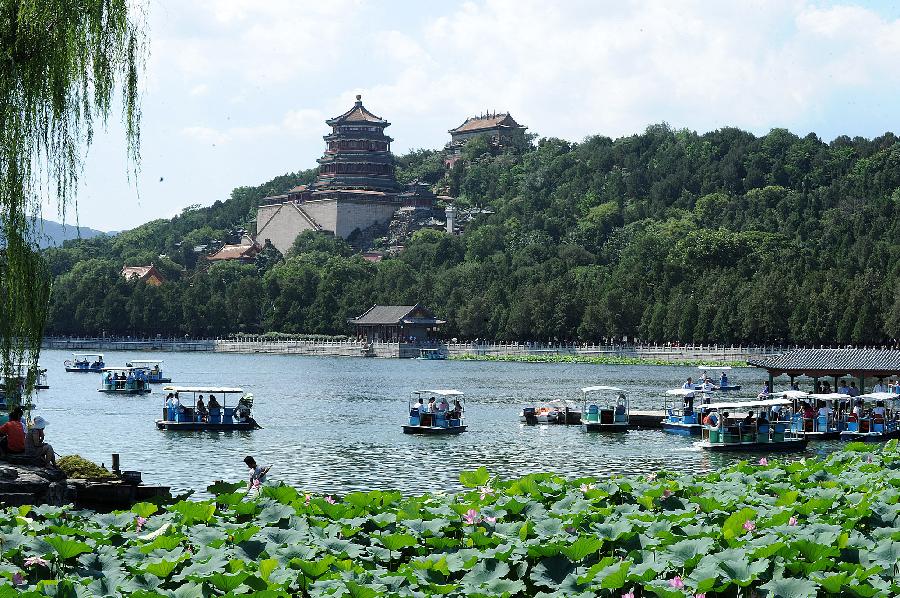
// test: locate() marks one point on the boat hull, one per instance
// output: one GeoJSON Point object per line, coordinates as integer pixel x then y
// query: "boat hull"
{"type": "Point", "coordinates": [131, 391]}
{"type": "Point", "coordinates": [682, 429]}
{"type": "Point", "coordinates": [432, 430]}
{"type": "Point", "coordinates": [868, 436]}
{"type": "Point", "coordinates": [820, 436]}
{"type": "Point", "coordinates": [200, 426]}
{"type": "Point", "coordinates": [755, 447]}
{"type": "Point", "coordinates": [598, 427]}
{"type": "Point", "coordinates": [85, 370]}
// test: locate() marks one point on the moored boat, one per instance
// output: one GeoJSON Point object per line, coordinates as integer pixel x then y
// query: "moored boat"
{"type": "Point", "coordinates": [680, 415]}
{"type": "Point", "coordinates": [872, 418]}
{"type": "Point", "coordinates": [723, 383]}
{"type": "Point", "coordinates": [432, 354]}
{"type": "Point", "coordinates": [154, 370]}
{"type": "Point", "coordinates": [124, 381]}
{"type": "Point", "coordinates": [185, 410]}
{"type": "Point", "coordinates": [813, 417]}
{"type": "Point", "coordinates": [85, 362]}
{"type": "Point", "coordinates": [728, 434]}
{"type": "Point", "coordinates": [609, 415]}
{"type": "Point", "coordinates": [428, 416]}
{"type": "Point", "coordinates": [539, 414]}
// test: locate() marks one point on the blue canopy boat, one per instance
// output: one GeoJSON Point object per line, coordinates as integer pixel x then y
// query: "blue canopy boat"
{"type": "Point", "coordinates": [611, 417]}
{"type": "Point", "coordinates": [682, 417]}
{"type": "Point", "coordinates": [434, 420]}
{"type": "Point", "coordinates": [824, 424]}
{"type": "Point", "coordinates": [85, 362]}
{"type": "Point", "coordinates": [707, 383]}
{"type": "Point", "coordinates": [124, 381]}
{"type": "Point", "coordinates": [182, 411]}
{"type": "Point", "coordinates": [430, 354]}
{"type": "Point", "coordinates": [154, 370]}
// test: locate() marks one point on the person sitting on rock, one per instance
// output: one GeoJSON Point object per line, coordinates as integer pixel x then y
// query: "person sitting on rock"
{"type": "Point", "coordinates": [35, 445]}
{"type": "Point", "coordinates": [12, 434]}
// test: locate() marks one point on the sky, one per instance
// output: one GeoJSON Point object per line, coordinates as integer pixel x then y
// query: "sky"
{"type": "Point", "coordinates": [236, 92]}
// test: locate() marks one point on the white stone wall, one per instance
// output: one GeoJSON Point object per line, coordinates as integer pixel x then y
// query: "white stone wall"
{"type": "Point", "coordinates": [280, 223]}
{"type": "Point", "coordinates": [353, 214]}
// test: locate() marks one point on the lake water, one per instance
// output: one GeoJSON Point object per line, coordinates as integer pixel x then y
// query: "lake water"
{"type": "Point", "coordinates": [332, 425]}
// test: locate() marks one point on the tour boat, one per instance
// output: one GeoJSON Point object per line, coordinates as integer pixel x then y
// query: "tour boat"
{"type": "Point", "coordinates": [539, 414]}
{"type": "Point", "coordinates": [154, 370]}
{"type": "Point", "coordinates": [435, 420]}
{"type": "Point", "coordinates": [611, 415]}
{"type": "Point", "coordinates": [735, 435]}
{"type": "Point", "coordinates": [821, 426]}
{"type": "Point", "coordinates": [876, 420]}
{"type": "Point", "coordinates": [681, 417]}
{"type": "Point", "coordinates": [181, 412]}
{"type": "Point", "coordinates": [85, 362]}
{"type": "Point", "coordinates": [430, 354]}
{"type": "Point", "coordinates": [712, 383]}
{"type": "Point", "coordinates": [124, 381]}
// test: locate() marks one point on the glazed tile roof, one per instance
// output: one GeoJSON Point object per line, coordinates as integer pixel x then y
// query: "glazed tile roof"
{"type": "Point", "coordinates": [235, 252]}
{"type": "Point", "coordinates": [357, 114]}
{"type": "Point", "coordinates": [478, 123]}
{"type": "Point", "coordinates": [138, 272]}
{"type": "Point", "coordinates": [832, 361]}
{"type": "Point", "coordinates": [394, 315]}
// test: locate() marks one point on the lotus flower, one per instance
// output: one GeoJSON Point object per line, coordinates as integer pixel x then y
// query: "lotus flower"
{"type": "Point", "coordinates": [628, 595]}
{"type": "Point", "coordinates": [763, 461]}
{"type": "Point", "coordinates": [471, 516]}
{"type": "Point", "coordinates": [651, 477]}
{"type": "Point", "coordinates": [792, 521]}
{"type": "Point", "coordinates": [676, 582]}
{"type": "Point", "coordinates": [485, 491]}
{"type": "Point", "coordinates": [139, 523]}
{"type": "Point", "coordinates": [308, 498]}
{"type": "Point", "coordinates": [18, 580]}
{"type": "Point", "coordinates": [329, 500]}
{"type": "Point", "coordinates": [667, 493]}
{"type": "Point", "coordinates": [491, 519]}
{"type": "Point", "coordinates": [699, 595]}
{"type": "Point", "coordinates": [749, 526]}
{"type": "Point", "coordinates": [256, 484]}
{"type": "Point", "coordinates": [36, 560]}
{"type": "Point", "coordinates": [586, 487]}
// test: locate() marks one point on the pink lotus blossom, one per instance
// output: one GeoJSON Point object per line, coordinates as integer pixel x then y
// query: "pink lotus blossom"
{"type": "Point", "coordinates": [308, 498]}
{"type": "Point", "coordinates": [676, 582]}
{"type": "Point", "coordinates": [139, 523]}
{"type": "Point", "coordinates": [471, 516]}
{"type": "Point", "coordinates": [667, 493]}
{"type": "Point", "coordinates": [699, 595]}
{"type": "Point", "coordinates": [763, 461]}
{"type": "Point", "coordinates": [36, 560]}
{"type": "Point", "coordinates": [628, 595]}
{"type": "Point", "coordinates": [18, 579]}
{"type": "Point", "coordinates": [256, 484]}
{"type": "Point", "coordinates": [485, 491]}
{"type": "Point", "coordinates": [491, 519]}
{"type": "Point", "coordinates": [651, 477]}
{"type": "Point", "coordinates": [868, 458]}
{"type": "Point", "coordinates": [586, 487]}
{"type": "Point", "coordinates": [329, 500]}
{"type": "Point", "coordinates": [792, 521]}
{"type": "Point", "coordinates": [749, 526]}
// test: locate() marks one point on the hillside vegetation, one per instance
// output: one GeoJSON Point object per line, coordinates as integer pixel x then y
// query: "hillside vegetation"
{"type": "Point", "coordinates": [667, 235]}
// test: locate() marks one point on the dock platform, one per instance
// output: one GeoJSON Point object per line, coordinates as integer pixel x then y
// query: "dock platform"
{"type": "Point", "coordinates": [645, 420]}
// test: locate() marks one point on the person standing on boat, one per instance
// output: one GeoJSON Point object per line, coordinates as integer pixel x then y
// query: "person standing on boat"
{"type": "Point", "coordinates": [843, 389]}
{"type": "Point", "coordinates": [689, 397]}
{"type": "Point", "coordinates": [723, 379]}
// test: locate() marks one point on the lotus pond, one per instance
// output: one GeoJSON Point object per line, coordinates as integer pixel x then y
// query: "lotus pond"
{"type": "Point", "coordinates": [826, 526]}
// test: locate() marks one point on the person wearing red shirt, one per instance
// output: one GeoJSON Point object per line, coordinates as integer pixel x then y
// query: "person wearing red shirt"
{"type": "Point", "coordinates": [12, 434]}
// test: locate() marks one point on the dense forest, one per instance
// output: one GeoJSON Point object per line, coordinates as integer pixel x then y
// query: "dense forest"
{"type": "Point", "coordinates": [665, 236]}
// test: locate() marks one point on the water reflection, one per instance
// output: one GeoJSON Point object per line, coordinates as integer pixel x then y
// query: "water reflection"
{"type": "Point", "coordinates": [333, 424]}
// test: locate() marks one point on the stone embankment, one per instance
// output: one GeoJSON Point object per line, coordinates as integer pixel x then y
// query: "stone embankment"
{"type": "Point", "coordinates": [23, 484]}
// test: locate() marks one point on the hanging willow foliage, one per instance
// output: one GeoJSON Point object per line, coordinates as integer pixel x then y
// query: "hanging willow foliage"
{"type": "Point", "coordinates": [61, 62]}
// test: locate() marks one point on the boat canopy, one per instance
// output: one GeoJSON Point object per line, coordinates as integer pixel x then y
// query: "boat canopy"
{"type": "Point", "coordinates": [601, 388]}
{"type": "Point", "coordinates": [831, 396]}
{"type": "Point", "coordinates": [443, 393]}
{"type": "Point", "coordinates": [100, 355]}
{"type": "Point", "coordinates": [212, 389]}
{"type": "Point", "coordinates": [683, 391]}
{"type": "Point", "coordinates": [124, 368]}
{"type": "Point", "coordinates": [748, 403]}
{"type": "Point", "coordinates": [794, 394]}
{"type": "Point", "coordinates": [877, 396]}
{"type": "Point", "coordinates": [713, 367]}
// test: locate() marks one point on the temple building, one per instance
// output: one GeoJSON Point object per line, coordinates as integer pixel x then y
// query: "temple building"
{"type": "Point", "coordinates": [396, 323]}
{"type": "Point", "coordinates": [148, 274]}
{"type": "Point", "coordinates": [355, 189]}
{"type": "Point", "coordinates": [501, 129]}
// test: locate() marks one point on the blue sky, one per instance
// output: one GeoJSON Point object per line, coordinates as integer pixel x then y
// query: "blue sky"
{"type": "Point", "coordinates": [236, 91]}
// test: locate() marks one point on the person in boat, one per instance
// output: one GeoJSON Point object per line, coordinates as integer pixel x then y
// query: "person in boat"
{"type": "Point", "coordinates": [432, 406]}
{"type": "Point", "coordinates": [895, 387]}
{"type": "Point", "coordinates": [775, 412]}
{"type": "Point", "coordinates": [202, 411]}
{"type": "Point", "coordinates": [795, 385]}
{"type": "Point", "coordinates": [712, 420]}
{"type": "Point", "coordinates": [457, 409]}
{"type": "Point", "coordinates": [854, 392]}
{"type": "Point", "coordinates": [109, 379]}
{"type": "Point", "coordinates": [723, 379]}
{"type": "Point", "coordinates": [419, 407]}
{"type": "Point", "coordinates": [766, 391]}
{"type": "Point", "coordinates": [707, 386]}
{"type": "Point", "coordinates": [213, 403]}
{"type": "Point", "coordinates": [879, 409]}
{"type": "Point", "coordinates": [843, 388]}
{"type": "Point", "coordinates": [35, 445]}
{"type": "Point", "coordinates": [818, 389]}
{"type": "Point", "coordinates": [444, 405]}
{"type": "Point", "coordinates": [12, 434]}
{"type": "Point", "coordinates": [762, 420]}
{"type": "Point", "coordinates": [689, 397]}
{"type": "Point", "coordinates": [880, 387]}
{"type": "Point", "coordinates": [808, 411]}
{"type": "Point", "coordinates": [858, 408]}
{"type": "Point", "coordinates": [748, 420]}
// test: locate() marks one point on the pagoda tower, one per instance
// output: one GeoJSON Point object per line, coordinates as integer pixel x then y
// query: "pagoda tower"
{"type": "Point", "coordinates": [358, 156]}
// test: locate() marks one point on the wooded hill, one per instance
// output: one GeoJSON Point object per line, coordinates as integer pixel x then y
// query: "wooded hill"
{"type": "Point", "coordinates": [665, 236]}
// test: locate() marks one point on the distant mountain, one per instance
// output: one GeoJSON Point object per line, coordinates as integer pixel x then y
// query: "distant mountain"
{"type": "Point", "coordinates": [50, 234]}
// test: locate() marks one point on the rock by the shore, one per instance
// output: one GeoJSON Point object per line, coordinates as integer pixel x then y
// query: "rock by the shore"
{"type": "Point", "coordinates": [27, 484]}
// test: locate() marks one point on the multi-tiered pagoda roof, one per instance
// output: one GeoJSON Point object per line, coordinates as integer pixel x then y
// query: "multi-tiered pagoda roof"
{"type": "Point", "coordinates": [358, 156]}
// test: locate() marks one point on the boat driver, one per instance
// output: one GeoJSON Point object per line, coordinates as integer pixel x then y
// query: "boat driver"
{"type": "Point", "coordinates": [689, 397]}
